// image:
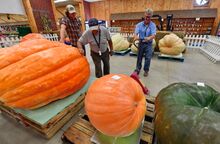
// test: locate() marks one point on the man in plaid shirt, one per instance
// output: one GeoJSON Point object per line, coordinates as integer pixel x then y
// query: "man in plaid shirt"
{"type": "Point", "coordinates": [72, 25]}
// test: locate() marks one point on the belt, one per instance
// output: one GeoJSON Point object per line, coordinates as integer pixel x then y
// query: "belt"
{"type": "Point", "coordinates": [143, 42]}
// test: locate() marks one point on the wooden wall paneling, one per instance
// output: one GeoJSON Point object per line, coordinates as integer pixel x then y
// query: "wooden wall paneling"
{"type": "Point", "coordinates": [186, 4]}
{"type": "Point", "coordinates": [148, 4]}
{"type": "Point", "coordinates": [116, 6]}
{"type": "Point", "coordinates": [98, 10]}
{"type": "Point", "coordinates": [167, 4]}
{"type": "Point", "coordinates": [82, 14]}
{"type": "Point", "coordinates": [130, 6]}
{"type": "Point", "coordinates": [175, 4]}
{"type": "Point", "coordinates": [107, 11]}
{"type": "Point", "coordinates": [157, 5]}
{"type": "Point", "coordinates": [126, 6]}
{"type": "Point", "coordinates": [216, 4]}
{"type": "Point", "coordinates": [142, 5]}
{"type": "Point", "coordinates": [87, 10]}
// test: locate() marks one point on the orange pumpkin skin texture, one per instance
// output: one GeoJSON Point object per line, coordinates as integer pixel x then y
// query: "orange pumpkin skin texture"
{"type": "Point", "coordinates": [39, 72]}
{"type": "Point", "coordinates": [32, 36]}
{"type": "Point", "coordinates": [116, 107]}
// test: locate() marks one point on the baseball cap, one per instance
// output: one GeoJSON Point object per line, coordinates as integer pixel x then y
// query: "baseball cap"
{"type": "Point", "coordinates": [93, 24]}
{"type": "Point", "coordinates": [70, 9]}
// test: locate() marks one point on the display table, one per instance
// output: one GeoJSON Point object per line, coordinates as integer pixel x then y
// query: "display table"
{"type": "Point", "coordinates": [50, 118]}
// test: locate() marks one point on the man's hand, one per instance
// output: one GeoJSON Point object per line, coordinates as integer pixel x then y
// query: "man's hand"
{"type": "Point", "coordinates": [146, 39]}
{"type": "Point", "coordinates": [81, 51]}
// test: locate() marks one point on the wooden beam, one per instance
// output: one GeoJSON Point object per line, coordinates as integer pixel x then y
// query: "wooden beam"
{"type": "Point", "coordinates": [82, 14]}
{"type": "Point", "coordinates": [30, 15]}
{"type": "Point", "coordinates": [54, 11]}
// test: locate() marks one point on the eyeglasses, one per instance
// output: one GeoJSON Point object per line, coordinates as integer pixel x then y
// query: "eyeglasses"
{"type": "Point", "coordinates": [147, 17]}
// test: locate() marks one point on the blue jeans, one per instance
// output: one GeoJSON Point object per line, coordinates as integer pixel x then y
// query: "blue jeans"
{"type": "Point", "coordinates": [144, 48]}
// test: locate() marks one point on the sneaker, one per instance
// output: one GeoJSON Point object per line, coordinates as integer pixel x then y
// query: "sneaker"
{"type": "Point", "coordinates": [145, 73]}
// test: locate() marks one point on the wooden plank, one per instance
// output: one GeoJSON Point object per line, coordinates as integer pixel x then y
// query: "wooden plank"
{"type": "Point", "coordinates": [63, 113]}
{"type": "Point", "coordinates": [76, 136]}
{"type": "Point", "coordinates": [54, 11]}
{"type": "Point", "coordinates": [83, 130]}
{"type": "Point", "coordinates": [53, 125]}
{"type": "Point", "coordinates": [30, 15]}
{"type": "Point", "coordinates": [146, 138]}
{"type": "Point", "coordinates": [55, 128]}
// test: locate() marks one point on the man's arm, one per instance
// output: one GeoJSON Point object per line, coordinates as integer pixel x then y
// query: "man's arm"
{"type": "Point", "coordinates": [149, 38]}
{"type": "Point", "coordinates": [136, 33]}
{"type": "Point", "coordinates": [62, 33]}
{"type": "Point", "coordinates": [109, 42]}
{"type": "Point", "coordinates": [80, 47]}
{"type": "Point", "coordinates": [111, 46]}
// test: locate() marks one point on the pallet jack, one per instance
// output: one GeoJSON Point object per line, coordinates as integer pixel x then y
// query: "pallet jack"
{"type": "Point", "coordinates": [136, 77]}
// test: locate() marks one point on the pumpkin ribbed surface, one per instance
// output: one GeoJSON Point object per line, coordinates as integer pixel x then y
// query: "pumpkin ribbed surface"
{"type": "Point", "coordinates": [188, 114]}
{"type": "Point", "coordinates": [37, 72]}
{"type": "Point", "coordinates": [32, 36]}
{"type": "Point", "coordinates": [171, 45]}
{"type": "Point", "coordinates": [115, 105]}
{"type": "Point", "coordinates": [119, 43]}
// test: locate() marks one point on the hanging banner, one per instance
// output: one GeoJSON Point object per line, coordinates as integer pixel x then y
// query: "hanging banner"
{"type": "Point", "coordinates": [12, 7]}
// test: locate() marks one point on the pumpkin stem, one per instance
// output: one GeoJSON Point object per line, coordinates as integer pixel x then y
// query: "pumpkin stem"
{"type": "Point", "coordinates": [135, 104]}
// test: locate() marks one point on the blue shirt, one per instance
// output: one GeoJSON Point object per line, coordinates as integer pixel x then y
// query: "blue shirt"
{"type": "Point", "coordinates": [145, 30]}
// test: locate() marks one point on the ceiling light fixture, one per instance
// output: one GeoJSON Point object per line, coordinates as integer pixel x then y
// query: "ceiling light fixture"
{"type": "Point", "coordinates": [58, 1]}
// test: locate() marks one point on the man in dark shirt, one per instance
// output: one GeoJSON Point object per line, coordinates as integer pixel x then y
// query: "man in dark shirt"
{"type": "Point", "coordinates": [72, 25]}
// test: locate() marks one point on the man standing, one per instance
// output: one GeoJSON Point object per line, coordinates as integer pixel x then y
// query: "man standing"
{"type": "Point", "coordinates": [99, 39]}
{"type": "Point", "coordinates": [145, 32]}
{"type": "Point", "coordinates": [72, 25]}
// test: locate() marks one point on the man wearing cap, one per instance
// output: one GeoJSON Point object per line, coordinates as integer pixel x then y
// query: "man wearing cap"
{"type": "Point", "coordinates": [99, 39]}
{"type": "Point", "coordinates": [72, 25]}
{"type": "Point", "coordinates": [145, 32]}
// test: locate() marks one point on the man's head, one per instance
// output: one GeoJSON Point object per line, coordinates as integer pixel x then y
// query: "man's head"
{"type": "Point", "coordinates": [70, 11]}
{"type": "Point", "coordinates": [93, 24]}
{"type": "Point", "coordinates": [148, 15]}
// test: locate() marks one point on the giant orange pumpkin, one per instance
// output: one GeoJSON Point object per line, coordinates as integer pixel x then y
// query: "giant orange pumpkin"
{"type": "Point", "coordinates": [115, 105]}
{"type": "Point", "coordinates": [37, 72]}
{"type": "Point", "coordinates": [32, 36]}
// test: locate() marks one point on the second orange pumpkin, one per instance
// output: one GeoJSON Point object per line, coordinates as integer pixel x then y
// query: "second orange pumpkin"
{"type": "Point", "coordinates": [115, 105]}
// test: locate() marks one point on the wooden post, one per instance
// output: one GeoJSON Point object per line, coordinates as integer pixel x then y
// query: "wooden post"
{"type": "Point", "coordinates": [30, 15]}
{"type": "Point", "coordinates": [82, 14]}
{"type": "Point", "coordinates": [54, 11]}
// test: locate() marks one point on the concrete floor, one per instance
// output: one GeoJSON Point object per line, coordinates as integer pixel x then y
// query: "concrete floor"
{"type": "Point", "coordinates": [195, 68]}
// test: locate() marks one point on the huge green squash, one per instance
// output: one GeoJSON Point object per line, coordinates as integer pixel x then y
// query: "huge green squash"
{"type": "Point", "coordinates": [188, 114]}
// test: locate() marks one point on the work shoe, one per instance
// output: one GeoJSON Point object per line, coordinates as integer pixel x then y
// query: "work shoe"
{"type": "Point", "coordinates": [145, 73]}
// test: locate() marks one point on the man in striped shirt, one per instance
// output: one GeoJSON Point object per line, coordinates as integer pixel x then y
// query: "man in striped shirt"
{"type": "Point", "coordinates": [72, 25]}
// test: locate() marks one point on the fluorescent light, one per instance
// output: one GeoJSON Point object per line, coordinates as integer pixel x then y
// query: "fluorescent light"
{"type": "Point", "coordinates": [93, 0]}
{"type": "Point", "coordinates": [58, 1]}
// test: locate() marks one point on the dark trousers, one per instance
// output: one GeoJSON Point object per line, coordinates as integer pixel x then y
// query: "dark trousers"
{"type": "Point", "coordinates": [144, 48]}
{"type": "Point", "coordinates": [98, 66]}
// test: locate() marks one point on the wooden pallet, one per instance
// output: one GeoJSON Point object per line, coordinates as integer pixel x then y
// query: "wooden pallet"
{"type": "Point", "coordinates": [122, 53]}
{"type": "Point", "coordinates": [82, 131]}
{"type": "Point", "coordinates": [170, 57]}
{"type": "Point", "coordinates": [53, 125]}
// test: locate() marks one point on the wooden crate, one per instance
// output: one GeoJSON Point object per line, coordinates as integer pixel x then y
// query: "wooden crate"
{"type": "Point", "coordinates": [53, 125]}
{"type": "Point", "coordinates": [81, 131]}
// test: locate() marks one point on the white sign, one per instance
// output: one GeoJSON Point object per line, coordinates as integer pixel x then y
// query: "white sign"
{"type": "Point", "coordinates": [12, 7]}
